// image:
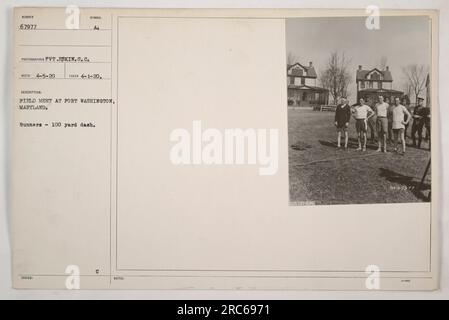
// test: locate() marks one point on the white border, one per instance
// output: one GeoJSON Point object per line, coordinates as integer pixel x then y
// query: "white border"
{"type": "Point", "coordinates": [5, 55]}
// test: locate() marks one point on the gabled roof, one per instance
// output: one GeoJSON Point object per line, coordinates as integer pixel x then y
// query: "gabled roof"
{"type": "Point", "coordinates": [362, 74]}
{"type": "Point", "coordinates": [309, 71]}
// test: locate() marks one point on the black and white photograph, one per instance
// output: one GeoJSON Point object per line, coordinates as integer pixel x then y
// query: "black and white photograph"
{"type": "Point", "coordinates": [359, 110]}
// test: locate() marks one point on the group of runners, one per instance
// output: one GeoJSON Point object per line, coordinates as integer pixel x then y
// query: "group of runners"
{"type": "Point", "coordinates": [391, 121]}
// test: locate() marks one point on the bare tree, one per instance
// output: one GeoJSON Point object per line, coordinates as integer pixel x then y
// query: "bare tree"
{"type": "Point", "coordinates": [407, 88]}
{"type": "Point", "coordinates": [416, 78]}
{"type": "Point", "coordinates": [336, 77]}
{"type": "Point", "coordinates": [383, 63]}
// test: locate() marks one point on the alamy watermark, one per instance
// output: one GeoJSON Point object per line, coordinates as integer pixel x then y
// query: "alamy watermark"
{"type": "Point", "coordinates": [72, 282]}
{"type": "Point", "coordinates": [372, 281]}
{"type": "Point", "coordinates": [226, 147]}
{"type": "Point", "coordinates": [72, 20]}
{"type": "Point", "coordinates": [372, 21]}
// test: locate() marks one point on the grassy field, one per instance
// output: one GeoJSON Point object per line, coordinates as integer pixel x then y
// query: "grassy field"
{"type": "Point", "coordinates": [322, 174]}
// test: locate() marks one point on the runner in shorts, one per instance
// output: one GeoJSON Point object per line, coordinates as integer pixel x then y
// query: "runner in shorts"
{"type": "Point", "coordinates": [381, 109]}
{"type": "Point", "coordinates": [399, 114]}
{"type": "Point", "coordinates": [342, 117]}
{"type": "Point", "coordinates": [361, 114]}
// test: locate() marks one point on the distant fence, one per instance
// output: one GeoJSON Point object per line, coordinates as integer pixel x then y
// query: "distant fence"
{"type": "Point", "coordinates": [325, 108]}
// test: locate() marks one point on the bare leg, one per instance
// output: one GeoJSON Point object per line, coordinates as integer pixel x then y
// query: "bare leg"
{"type": "Point", "coordinates": [364, 141]}
{"type": "Point", "coordinates": [384, 135]}
{"type": "Point", "coordinates": [379, 141]}
{"type": "Point", "coordinates": [346, 139]}
{"type": "Point", "coordinates": [358, 139]}
{"type": "Point", "coordinates": [390, 132]}
{"type": "Point", "coordinates": [403, 141]}
{"type": "Point", "coordinates": [395, 137]}
{"type": "Point", "coordinates": [338, 138]}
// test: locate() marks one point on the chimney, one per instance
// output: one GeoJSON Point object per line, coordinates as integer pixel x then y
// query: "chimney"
{"type": "Point", "coordinates": [360, 67]}
{"type": "Point", "coordinates": [310, 64]}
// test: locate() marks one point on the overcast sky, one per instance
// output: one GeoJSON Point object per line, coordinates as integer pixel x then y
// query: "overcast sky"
{"type": "Point", "coordinates": [403, 40]}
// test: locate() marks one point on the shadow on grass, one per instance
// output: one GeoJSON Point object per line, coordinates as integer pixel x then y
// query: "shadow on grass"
{"type": "Point", "coordinates": [411, 145]}
{"type": "Point", "coordinates": [300, 146]}
{"type": "Point", "coordinates": [328, 143]}
{"type": "Point", "coordinates": [410, 183]}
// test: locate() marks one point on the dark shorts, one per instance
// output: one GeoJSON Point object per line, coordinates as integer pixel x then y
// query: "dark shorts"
{"type": "Point", "coordinates": [341, 127]}
{"type": "Point", "coordinates": [398, 131]}
{"type": "Point", "coordinates": [382, 124]}
{"type": "Point", "coordinates": [360, 125]}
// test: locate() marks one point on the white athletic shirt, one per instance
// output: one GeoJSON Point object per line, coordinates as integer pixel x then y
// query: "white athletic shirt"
{"type": "Point", "coordinates": [381, 109]}
{"type": "Point", "coordinates": [399, 112]}
{"type": "Point", "coordinates": [361, 112]}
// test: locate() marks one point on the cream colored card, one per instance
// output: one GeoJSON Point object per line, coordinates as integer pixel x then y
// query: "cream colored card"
{"type": "Point", "coordinates": [197, 149]}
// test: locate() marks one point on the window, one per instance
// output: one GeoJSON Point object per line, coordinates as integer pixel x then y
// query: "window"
{"type": "Point", "coordinates": [303, 81]}
{"type": "Point", "coordinates": [375, 76]}
{"type": "Point", "coordinates": [292, 80]}
{"type": "Point", "coordinates": [362, 84]}
{"type": "Point", "coordinates": [297, 71]}
{"type": "Point", "coordinates": [370, 84]}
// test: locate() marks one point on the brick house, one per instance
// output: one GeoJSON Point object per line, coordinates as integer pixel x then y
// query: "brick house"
{"type": "Point", "coordinates": [302, 86]}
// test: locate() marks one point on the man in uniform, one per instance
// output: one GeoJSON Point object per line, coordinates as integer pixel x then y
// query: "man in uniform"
{"type": "Point", "coordinates": [418, 122]}
{"type": "Point", "coordinates": [426, 120]}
